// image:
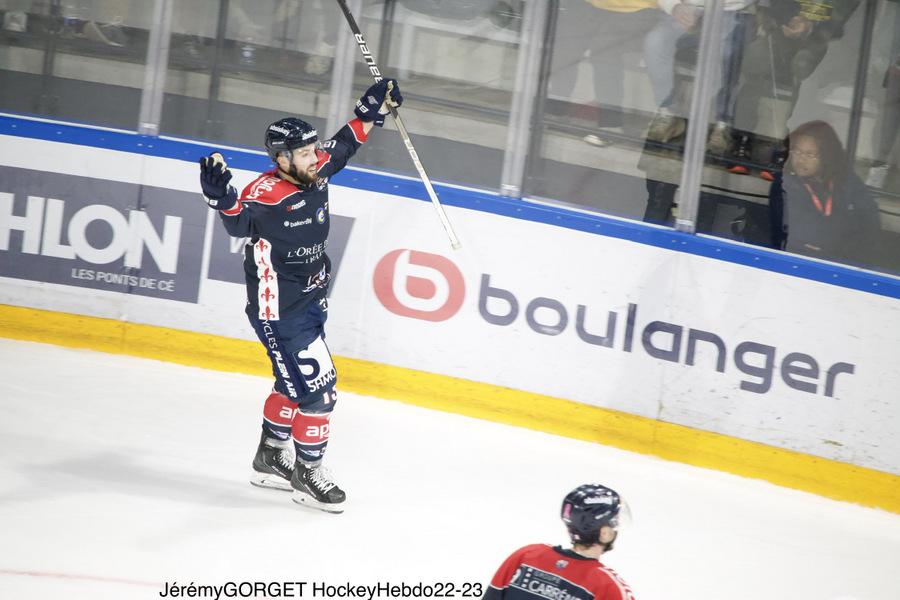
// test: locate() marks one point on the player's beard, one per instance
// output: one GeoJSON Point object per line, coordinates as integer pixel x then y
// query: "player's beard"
{"type": "Point", "coordinates": [305, 177]}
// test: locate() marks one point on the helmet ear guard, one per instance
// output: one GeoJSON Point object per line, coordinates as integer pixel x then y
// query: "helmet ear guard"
{"type": "Point", "coordinates": [606, 535]}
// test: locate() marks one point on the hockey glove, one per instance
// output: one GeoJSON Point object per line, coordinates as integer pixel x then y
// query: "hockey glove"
{"type": "Point", "coordinates": [376, 102]}
{"type": "Point", "coordinates": [214, 178]}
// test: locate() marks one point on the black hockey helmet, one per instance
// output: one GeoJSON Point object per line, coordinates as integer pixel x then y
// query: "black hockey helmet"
{"type": "Point", "coordinates": [588, 508]}
{"type": "Point", "coordinates": [287, 134]}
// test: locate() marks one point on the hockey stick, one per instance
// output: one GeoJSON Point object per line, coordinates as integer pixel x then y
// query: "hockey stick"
{"type": "Point", "coordinates": [376, 75]}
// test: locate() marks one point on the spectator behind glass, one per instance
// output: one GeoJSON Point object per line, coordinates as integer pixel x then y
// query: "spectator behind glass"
{"type": "Point", "coordinates": [605, 30]}
{"type": "Point", "coordinates": [818, 206]}
{"type": "Point", "coordinates": [793, 39]}
{"type": "Point", "coordinates": [887, 122]}
{"type": "Point", "coordinates": [100, 21]}
{"type": "Point", "coordinates": [680, 32]}
{"type": "Point", "coordinates": [15, 14]}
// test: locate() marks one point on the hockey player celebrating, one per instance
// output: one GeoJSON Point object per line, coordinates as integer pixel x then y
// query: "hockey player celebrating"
{"type": "Point", "coordinates": [284, 214]}
{"type": "Point", "coordinates": [592, 514]}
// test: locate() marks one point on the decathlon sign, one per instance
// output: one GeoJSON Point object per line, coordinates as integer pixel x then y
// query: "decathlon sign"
{"type": "Point", "coordinates": [419, 285]}
{"type": "Point", "coordinates": [100, 234]}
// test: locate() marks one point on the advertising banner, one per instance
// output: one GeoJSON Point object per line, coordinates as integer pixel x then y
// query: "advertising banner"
{"type": "Point", "coordinates": [664, 335]}
{"type": "Point", "coordinates": [527, 305]}
{"type": "Point", "coordinates": [100, 234]}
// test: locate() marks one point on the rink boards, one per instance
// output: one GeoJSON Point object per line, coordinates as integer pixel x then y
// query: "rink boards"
{"type": "Point", "coordinates": [689, 348]}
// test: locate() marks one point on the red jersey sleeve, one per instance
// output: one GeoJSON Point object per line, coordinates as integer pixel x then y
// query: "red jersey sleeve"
{"type": "Point", "coordinates": [613, 586]}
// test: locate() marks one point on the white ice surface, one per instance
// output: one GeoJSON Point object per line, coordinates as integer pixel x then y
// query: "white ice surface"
{"type": "Point", "coordinates": [119, 474]}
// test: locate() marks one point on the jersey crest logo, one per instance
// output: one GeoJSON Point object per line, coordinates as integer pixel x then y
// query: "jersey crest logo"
{"type": "Point", "coordinates": [320, 216]}
{"type": "Point", "coordinates": [261, 186]}
{"type": "Point", "coordinates": [562, 564]}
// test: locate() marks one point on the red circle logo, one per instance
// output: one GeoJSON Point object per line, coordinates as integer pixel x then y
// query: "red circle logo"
{"type": "Point", "coordinates": [419, 285]}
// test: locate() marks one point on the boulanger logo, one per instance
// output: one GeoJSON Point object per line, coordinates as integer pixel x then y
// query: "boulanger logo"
{"type": "Point", "coordinates": [430, 287]}
{"type": "Point", "coordinates": [419, 285]}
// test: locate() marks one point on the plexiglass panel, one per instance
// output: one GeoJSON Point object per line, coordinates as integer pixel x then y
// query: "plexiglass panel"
{"type": "Point", "coordinates": [456, 63]}
{"type": "Point", "coordinates": [611, 121]}
{"type": "Point", "coordinates": [79, 60]}
{"type": "Point", "coordinates": [237, 65]}
{"type": "Point", "coordinates": [816, 130]}
{"type": "Point", "coordinates": [797, 152]}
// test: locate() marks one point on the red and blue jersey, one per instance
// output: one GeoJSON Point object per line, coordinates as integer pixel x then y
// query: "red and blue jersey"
{"type": "Point", "coordinates": [543, 571]}
{"type": "Point", "coordinates": [285, 261]}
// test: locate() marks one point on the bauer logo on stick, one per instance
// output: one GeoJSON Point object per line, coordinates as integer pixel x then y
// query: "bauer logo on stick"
{"type": "Point", "coordinates": [401, 128]}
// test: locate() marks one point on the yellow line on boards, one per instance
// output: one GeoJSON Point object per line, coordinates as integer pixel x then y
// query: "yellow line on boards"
{"type": "Point", "coordinates": [825, 477]}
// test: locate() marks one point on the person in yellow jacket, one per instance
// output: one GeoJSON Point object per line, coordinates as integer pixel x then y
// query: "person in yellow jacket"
{"type": "Point", "coordinates": [605, 30]}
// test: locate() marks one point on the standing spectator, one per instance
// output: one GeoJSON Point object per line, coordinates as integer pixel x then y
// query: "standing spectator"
{"type": "Point", "coordinates": [887, 124]}
{"type": "Point", "coordinates": [680, 32]}
{"type": "Point", "coordinates": [605, 30]}
{"type": "Point", "coordinates": [794, 37]}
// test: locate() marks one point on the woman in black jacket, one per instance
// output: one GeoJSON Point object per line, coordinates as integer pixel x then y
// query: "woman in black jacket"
{"type": "Point", "coordinates": [818, 206]}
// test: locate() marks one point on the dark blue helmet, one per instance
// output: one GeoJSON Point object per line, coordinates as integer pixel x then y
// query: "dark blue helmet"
{"type": "Point", "coordinates": [287, 134]}
{"type": "Point", "coordinates": [586, 509]}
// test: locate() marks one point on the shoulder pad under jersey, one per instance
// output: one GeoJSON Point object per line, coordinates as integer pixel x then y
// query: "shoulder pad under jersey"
{"type": "Point", "coordinates": [324, 158]}
{"type": "Point", "coordinates": [268, 188]}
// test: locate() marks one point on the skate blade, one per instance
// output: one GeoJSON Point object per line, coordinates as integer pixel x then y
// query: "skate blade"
{"type": "Point", "coordinates": [270, 482]}
{"type": "Point", "coordinates": [308, 501]}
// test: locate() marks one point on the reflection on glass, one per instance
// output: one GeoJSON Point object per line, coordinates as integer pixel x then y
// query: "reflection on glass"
{"type": "Point", "coordinates": [234, 72]}
{"type": "Point", "coordinates": [806, 69]}
{"type": "Point", "coordinates": [596, 105]}
{"type": "Point", "coordinates": [604, 32]}
{"type": "Point", "coordinates": [887, 120]}
{"type": "Point", "coordinates": [616, 81]}
{"type": "Point", "coordinates": [102, 21]}
{"type": "Point", "coordinates": [237, 65]}
{"type": "Point", "coordinates": [679, 35]}
{"type": "Point", "coordinates": [74, 59]}
{"type": "Point", "coordinates": [672, 48]}
{"type": "Point", "coordinates": [799, 65]}
{"type": "Point", "coordinates": [456, 62]}
{"type": "Point", "coordinates": [792, 40]}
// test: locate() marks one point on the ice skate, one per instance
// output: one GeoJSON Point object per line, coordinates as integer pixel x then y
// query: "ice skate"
{"type": "Point", "coordinates": [314, 487]}
{"type": "Point", "coordinates": [273, 464]}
